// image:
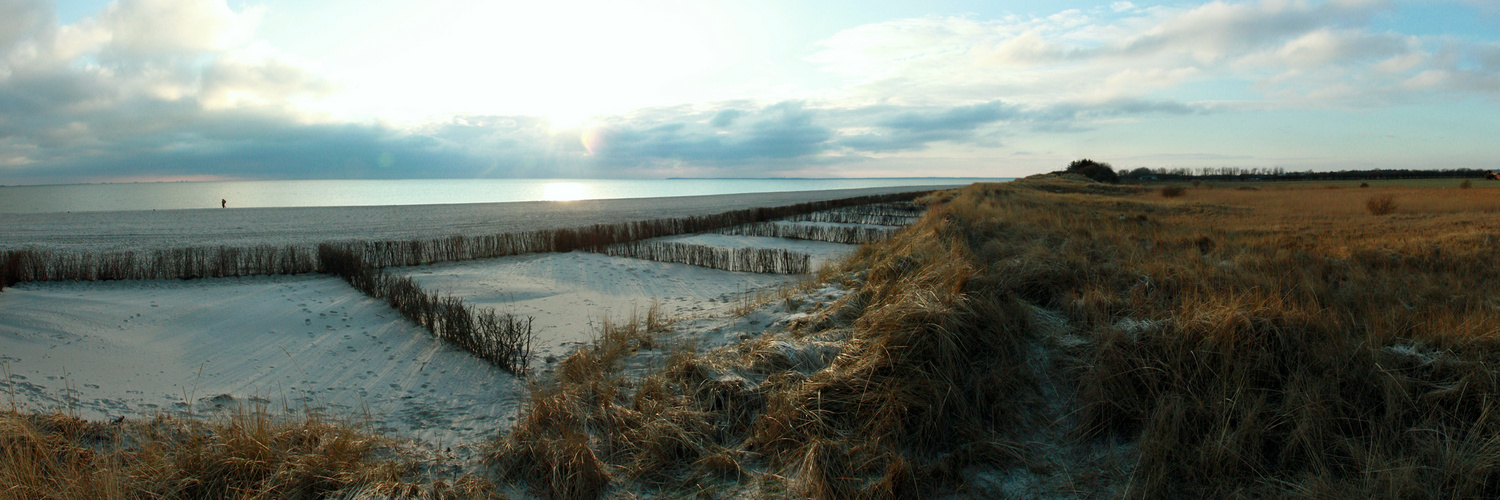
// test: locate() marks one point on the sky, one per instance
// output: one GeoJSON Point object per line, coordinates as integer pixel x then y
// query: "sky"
{"type": "Point", "coordinates": [160, 90]}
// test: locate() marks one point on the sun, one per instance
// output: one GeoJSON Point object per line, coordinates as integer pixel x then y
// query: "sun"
{"type": "Point", "coordinates": [564, 191]}
{"type": "Point", "coordinates": [559, 120]}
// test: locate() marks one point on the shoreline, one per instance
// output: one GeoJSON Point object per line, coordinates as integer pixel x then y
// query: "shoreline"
{"type": "Point", "coordinates": [148, 230]}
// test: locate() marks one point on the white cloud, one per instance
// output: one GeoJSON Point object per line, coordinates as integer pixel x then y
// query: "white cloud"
{"type": "Point", "coordinates": [150, 28]}
{"type": "Point", "coordinates": [1289, 52]}
{"type": "Point", "coordinates": [1426, 79]}
{"type": "Point", "coordinates": [258, 78]}
{"type": "Point", "coordinates": [22, 20]}
{"type": "Point", "coordinates": [1401, 63]}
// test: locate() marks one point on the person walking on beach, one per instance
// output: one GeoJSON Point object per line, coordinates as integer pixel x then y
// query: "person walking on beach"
{"type": "Point", "coordinates": [223, 203]}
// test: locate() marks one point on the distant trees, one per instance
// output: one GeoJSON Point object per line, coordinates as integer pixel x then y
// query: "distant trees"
{"type": "Point", "coordinates": [1280, 174]}
{"type": "Point", "coordinates": [1098, 171]}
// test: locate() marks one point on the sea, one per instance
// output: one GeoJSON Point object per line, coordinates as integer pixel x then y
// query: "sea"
{"type": "Point", "coordinates": [336, 193]}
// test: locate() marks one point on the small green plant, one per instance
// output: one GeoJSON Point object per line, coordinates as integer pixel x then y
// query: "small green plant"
{"type": "Point", "coordinates": [1381, 205]}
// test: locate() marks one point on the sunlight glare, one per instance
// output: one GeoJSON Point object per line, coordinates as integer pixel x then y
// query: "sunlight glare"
{"type": "Point", "coordinates": [558, 60]}
{"type": "Point", "coordinates": [564, 191]}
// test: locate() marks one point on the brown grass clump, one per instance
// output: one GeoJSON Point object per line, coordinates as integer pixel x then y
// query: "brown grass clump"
{"type": "Point", "coordinates": [1381, 205]}
{"type": "Point", "coordinates": [932, 368]}
{"type": "Point", "coordinates": [249, 454]}
{"type": "Point", "coordinates": [1172, 191]}
{"type": "Point", "coordinates": [589, 427]}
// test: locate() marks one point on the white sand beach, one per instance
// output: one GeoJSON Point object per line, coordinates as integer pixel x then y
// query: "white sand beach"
{"type": "Point", "coordinates": [136, 348]}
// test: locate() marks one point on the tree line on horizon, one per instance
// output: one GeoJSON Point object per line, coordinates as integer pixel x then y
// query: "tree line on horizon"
{"type": "Point", "coordinates": [1104, 172]}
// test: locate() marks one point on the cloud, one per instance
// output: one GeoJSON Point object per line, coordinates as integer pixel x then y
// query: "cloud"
{"type": "Point", "coordinates": [1286, 53]}
{"type": "Point", "coordinates": [149, 29]}
{"type": "Point", "coordinates": [144, 85]}
{"type": "Point", "coordinates": [118, 95]}
{"type": "Point", "coordinates": [725, 117]}
{"type": "Point", "coordinates": [241, 80]}
{"type": "Point", "coordinates": [1489, 56]}
{"type": "Point", "coordinates": [23, 20]}
{"type": "Point", "coordinates": [776, 132]}
{"type": "Point", "coordinates": [1219, 30]}
{"type": "Point", "coordinates": [885, 129]}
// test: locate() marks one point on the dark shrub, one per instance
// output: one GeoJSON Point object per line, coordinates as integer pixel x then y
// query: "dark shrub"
{"type": "Point", "coordinates": [1101, 172]}
{"type": "Point", "coordinates": [1172, 191]}
{"type": "Point", "coordinates": [1381, 205]}
{"type": "Point", "coordinates": [1137, 174]}
{"type": "Point", "coordinates": [1466, 184]}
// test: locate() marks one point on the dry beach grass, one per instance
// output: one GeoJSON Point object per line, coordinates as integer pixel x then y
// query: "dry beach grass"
{"type": "Point", "coordinates": [1057, 337]}
{"type": "Point", "coordinates": [248, 454]}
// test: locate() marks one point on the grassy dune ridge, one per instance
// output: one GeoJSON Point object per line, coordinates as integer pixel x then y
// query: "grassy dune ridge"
{"type": "Point", "coordinates": [1055, 335]}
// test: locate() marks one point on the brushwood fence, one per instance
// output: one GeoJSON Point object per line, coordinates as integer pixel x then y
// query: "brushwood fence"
{"type": "Point", "coordinates": [882, 214]}
{"type": "Point", "coordinates": [896, 208]}
{"type": "Point", "coordinates": [175, 263]}
{"type": "Point", "coordinates": [855, 235]}
{"type": "Point", "coordinates": [221, 261]}
{"type": "Point", "coordinates": [593, 237]}
{"type": "Point", "coordinates": [502, 339]}
{"type": "Point", "coordinates": [753, 260]}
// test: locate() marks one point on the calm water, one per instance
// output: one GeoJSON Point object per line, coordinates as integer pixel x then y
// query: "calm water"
{"type": "Point", "coordinates": [241, 194]}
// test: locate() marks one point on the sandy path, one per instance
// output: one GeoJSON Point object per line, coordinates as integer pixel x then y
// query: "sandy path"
{"type": "Point", "coordinates": [283, 226]}
{"type": "Point", "coordinates": [140, 347]}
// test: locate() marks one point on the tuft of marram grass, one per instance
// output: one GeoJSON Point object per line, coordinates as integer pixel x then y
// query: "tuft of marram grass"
{"type": "Point", "coordinates": [248, 454]}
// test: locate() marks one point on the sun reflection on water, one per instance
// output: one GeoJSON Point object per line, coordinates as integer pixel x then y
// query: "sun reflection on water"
{"type": "Point", "coordinates": [564, 191]}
